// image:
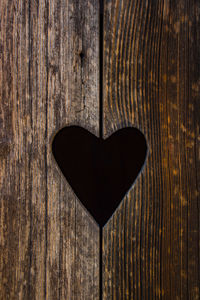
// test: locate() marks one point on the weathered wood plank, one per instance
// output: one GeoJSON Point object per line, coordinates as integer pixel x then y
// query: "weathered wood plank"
{"type": "Point", "coordinates": [37, 99]}
{"type": "Point", "coordinates": [15, 139]}
{"type": "Point", "coordinates": [49, 78]}
{"type": "Point", "coordinates": [73, 35]}
{"type": "Point", "coordinates": [152, 82]}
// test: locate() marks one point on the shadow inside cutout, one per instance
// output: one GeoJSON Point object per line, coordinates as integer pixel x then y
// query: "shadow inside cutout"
{"type": "Point", "coordinates": [100, 171]}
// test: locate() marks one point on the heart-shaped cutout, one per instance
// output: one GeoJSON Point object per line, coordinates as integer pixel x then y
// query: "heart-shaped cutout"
{"type": "Point", "coordinates": [100, 171]}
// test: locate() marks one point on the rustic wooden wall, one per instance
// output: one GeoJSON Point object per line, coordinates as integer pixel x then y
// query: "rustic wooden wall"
{"type": "Point", "coordinates": [49, 77]}
{"type": "Point", "coordinates": [152, 81]}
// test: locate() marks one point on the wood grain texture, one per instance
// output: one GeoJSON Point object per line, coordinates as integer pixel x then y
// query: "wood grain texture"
{"type": "Point", "coordinates": [152, 82]}
{"type": "Point", "coordinates": [48, 79]}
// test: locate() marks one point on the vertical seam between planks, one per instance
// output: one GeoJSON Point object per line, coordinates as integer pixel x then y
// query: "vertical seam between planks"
{"type": "Point", "coordinates": [101, 61]}
{"type": "Point", "coordinates": [46, 134]}
{"type": "Point", "coordinates": [75, 229]}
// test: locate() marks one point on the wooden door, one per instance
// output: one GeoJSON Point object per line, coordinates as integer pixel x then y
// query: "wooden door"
{"type": "Point", "coordinates": [148, 53]}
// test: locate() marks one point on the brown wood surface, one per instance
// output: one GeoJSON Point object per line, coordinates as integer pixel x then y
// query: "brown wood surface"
{"type": "Point", "coordinates": [49, 78]}
{"type": "Point", "coordinates": [152, 82]}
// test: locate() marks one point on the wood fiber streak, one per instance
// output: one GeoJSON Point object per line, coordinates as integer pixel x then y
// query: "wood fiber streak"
{"type": "Point", "coordinates": [49, 53]}
{"type": "Point", "coordinates": [152, 82]}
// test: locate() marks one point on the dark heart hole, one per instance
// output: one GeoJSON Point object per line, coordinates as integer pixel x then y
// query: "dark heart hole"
{"type": "Point", "coordinates": [100, 171]}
